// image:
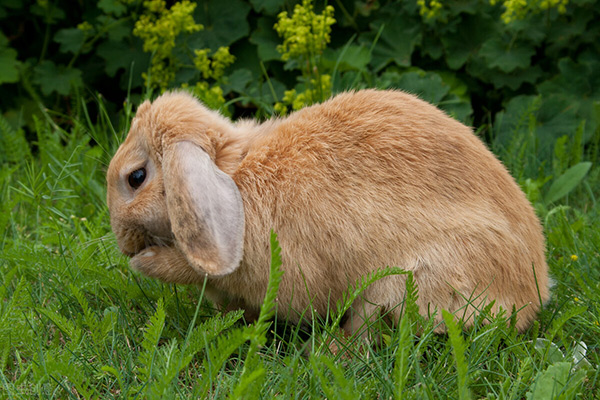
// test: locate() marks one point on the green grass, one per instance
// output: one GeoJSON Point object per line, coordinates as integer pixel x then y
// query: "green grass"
{"type": "Point", "coordinates": [76, 322]}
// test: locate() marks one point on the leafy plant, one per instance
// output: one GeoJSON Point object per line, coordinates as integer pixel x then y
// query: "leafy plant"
{"type": "Point", "coordinates": [305, 35]}
{"type": "Point", "coordinates": [565, 183]}
{"type": "Point", "coordinates": [75, 321]}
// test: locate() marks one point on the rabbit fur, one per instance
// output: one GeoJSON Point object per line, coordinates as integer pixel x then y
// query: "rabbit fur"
{"type": "Point", "coordinates": [365, 180]}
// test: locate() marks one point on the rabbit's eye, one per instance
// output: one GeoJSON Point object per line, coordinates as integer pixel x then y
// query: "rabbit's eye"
{"type": "Point", "coordinates": [137, 177]}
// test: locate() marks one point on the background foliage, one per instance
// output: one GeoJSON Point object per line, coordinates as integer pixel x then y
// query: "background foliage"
{"type": "Point", "coordinates": [485, 63]}
{"type": "Point", "coordinates": [76, 322]}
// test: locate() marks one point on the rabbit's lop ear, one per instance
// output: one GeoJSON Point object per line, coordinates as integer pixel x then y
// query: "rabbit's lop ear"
{"type": "Point", "coordinates": [205, 209]}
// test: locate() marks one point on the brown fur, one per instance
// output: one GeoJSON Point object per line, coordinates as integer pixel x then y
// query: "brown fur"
{"type": "Point", "coordinates": [363, 181]}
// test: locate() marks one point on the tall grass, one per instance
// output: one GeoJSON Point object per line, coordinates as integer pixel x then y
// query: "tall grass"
{"type": "Point", "coordinates": [76, 322]}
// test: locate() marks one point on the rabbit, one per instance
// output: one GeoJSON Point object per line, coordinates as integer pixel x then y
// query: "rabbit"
{"type": "Point", "coordinates": [365, 180]}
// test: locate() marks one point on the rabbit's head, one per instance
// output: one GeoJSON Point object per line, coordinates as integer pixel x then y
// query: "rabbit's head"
{"type": "Point", "coordinates": [166, 190]}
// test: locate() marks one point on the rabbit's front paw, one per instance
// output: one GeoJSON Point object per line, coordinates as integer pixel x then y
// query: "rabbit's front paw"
{"type": "Point", "coordinates": [165, 263]}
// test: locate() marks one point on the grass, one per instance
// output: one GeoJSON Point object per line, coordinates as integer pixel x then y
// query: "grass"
{"type": "Point", "coordinates": [76, 322]}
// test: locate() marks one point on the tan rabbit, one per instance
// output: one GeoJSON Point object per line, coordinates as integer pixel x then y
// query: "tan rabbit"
{"type": "Point", "coordinates": [366, 180]}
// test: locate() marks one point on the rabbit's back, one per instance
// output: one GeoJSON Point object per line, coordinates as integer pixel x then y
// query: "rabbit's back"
{"type": "Point", "coordinates": [373, 179]}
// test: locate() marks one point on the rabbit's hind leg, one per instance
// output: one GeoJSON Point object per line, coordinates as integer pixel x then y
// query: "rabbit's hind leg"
{"type": "Point", "coordinates": [360, 319]}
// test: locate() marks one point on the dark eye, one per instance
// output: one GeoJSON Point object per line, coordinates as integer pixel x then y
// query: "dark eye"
{"type": "Point", "coordinates": [136, 178]}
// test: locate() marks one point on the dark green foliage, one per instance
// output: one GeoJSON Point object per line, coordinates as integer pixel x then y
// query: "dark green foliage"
{"type": "Point", "coordinates": [464, 57]}
{"type": "Point", "coordinates": [13, 145]}
{"type": "Point", "coordinates": [76, 322]}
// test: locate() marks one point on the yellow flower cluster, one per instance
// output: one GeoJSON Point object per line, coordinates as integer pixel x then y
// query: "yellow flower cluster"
{"type": "Point", "coordinates": [304, 33]}
{"type": "Point", "coordinates": [158, 27]}
{"type": "Point", "coordinates": [518, 9]}
{"type": "Point", "coordinates": [321, 89]}
{"type": "Point", "coordinates": [161, 73]}
{"type": "Point", "coordinates": [560, 5]}
{"type": "Point", "coordinates": [213, 68]}
{"type": "Point", "coordinates": [86, 27]}
{"type": "Point", "coordinates": [430, 11]}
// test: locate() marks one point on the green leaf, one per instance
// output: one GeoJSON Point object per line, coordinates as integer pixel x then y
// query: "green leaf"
{"type": "Point", "coordinates": [249, 385]}
{"type": "Point", "coordinates": [577, 87]}
{"type": "Point", "coordinates": [548, 350]}
{"type": "Point", "coordinates": [428, 86]}
{"type": "Point", "coordinates": [566, 33]}
{"type": "Point", "coordinates": [266, 40]}
{"type": "Point", "coordinates": [14, 4]}
{"type": "Point", "coordinates": [565, 183]}
{"type": "Point", "coordinates": [447, 92]}
{"type": "Point", "coordinates": [579, 356]}
{"type": "Point", "coordinates": [254, 89]}
{"type": "Point", "coordinates": [270, 7]}
{"type": "Point", "coordinates": [532, 29]}
{"type": "Point", "coordinates": [516, 78]}
{"type": "Point", "coordinates": [208, 330]}
{"type": "Point", "coordinates": [545, 118]}
{"type": "Point", "coordinates": [8, 65]}
{"type": "Point", "coordinates": [253, 373]}
{"type": "Point", "coordinates": [218, 354]}
{"type": "Point", "coordinates": [432, 46]}
{"type": "Point", "coordinates": [56, 79]}
{"type": "Point", "coordinates": [479, 68]}
{"type": "Point", "coordinates": [9, 72]}
{"type": "Point", "coordinates": [70, 40]}
{"type": "Point", "coordinates": [239, 81]}
{"type": "Point", "coordinates": [506, 56]}
{"type": "Point", "coordinates": [400, 34]}
{"type": "Point", "coordinates": [355, 290]}
{"type": "Point", "coordinates": [557, 382]}
{"type": "Point", "coordinates": [405, 345]}
{"type": "Point", "coordinates": [575, 78]}
{"type": "Point", "coordinates": [114, 7]}
{"type": "Point", "coordinates": [64, 366]}
{"type": "Point", "coordinates": [154, 328]}
{"type": "Point", "coordinates": [348, 58]}
{"type": "Point", "coordinates": [458, 348]}
{"type": "Point", "coordinates": [50, 12]}
{"type": "Point", "coordinates": [129, 57]}
{"type": "Point", "coordinates": [224, 23]}
{"type": "Point", "coordinates": [119, 30]}
{"type": "Point", "coordinates": [267, 310]}
{"type": "Point", "coordinates": [460, 45]}
{"type": "Point", "coordinates": [66, 325]}
{"type": "Point", "coordinates": [340, 387]}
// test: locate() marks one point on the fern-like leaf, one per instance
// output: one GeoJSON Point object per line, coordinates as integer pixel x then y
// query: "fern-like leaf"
{"type": "Point", "coordinates": [99, 329]}
{"type": "Point", "coordinates": [411, 309]}
{"type": "Point", "coordinates": [267, 309]}
{"type": "Point", "coordinates": [207, 331]}
{"type": "Point", "coordinates": [402, 367]}
{"type": "Point", "coordinates": [249, 379]}
{"type": "Point", "coordinates": [458, 348]}
{"type": "Point", "coordinates": [217, 355]}
{"type": "Point", "coordinates": [340, 387]}
{"type": "Point", "coordinates": [13, 144]}
{"type": "Point", "coordinates": [348, 299]}
{"type": "Point", "coordinates": [154, 329]}
{"type": "Point", "coordinates": [64, 366]}
{"type": "Point", "coordinates": [66, 326]}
